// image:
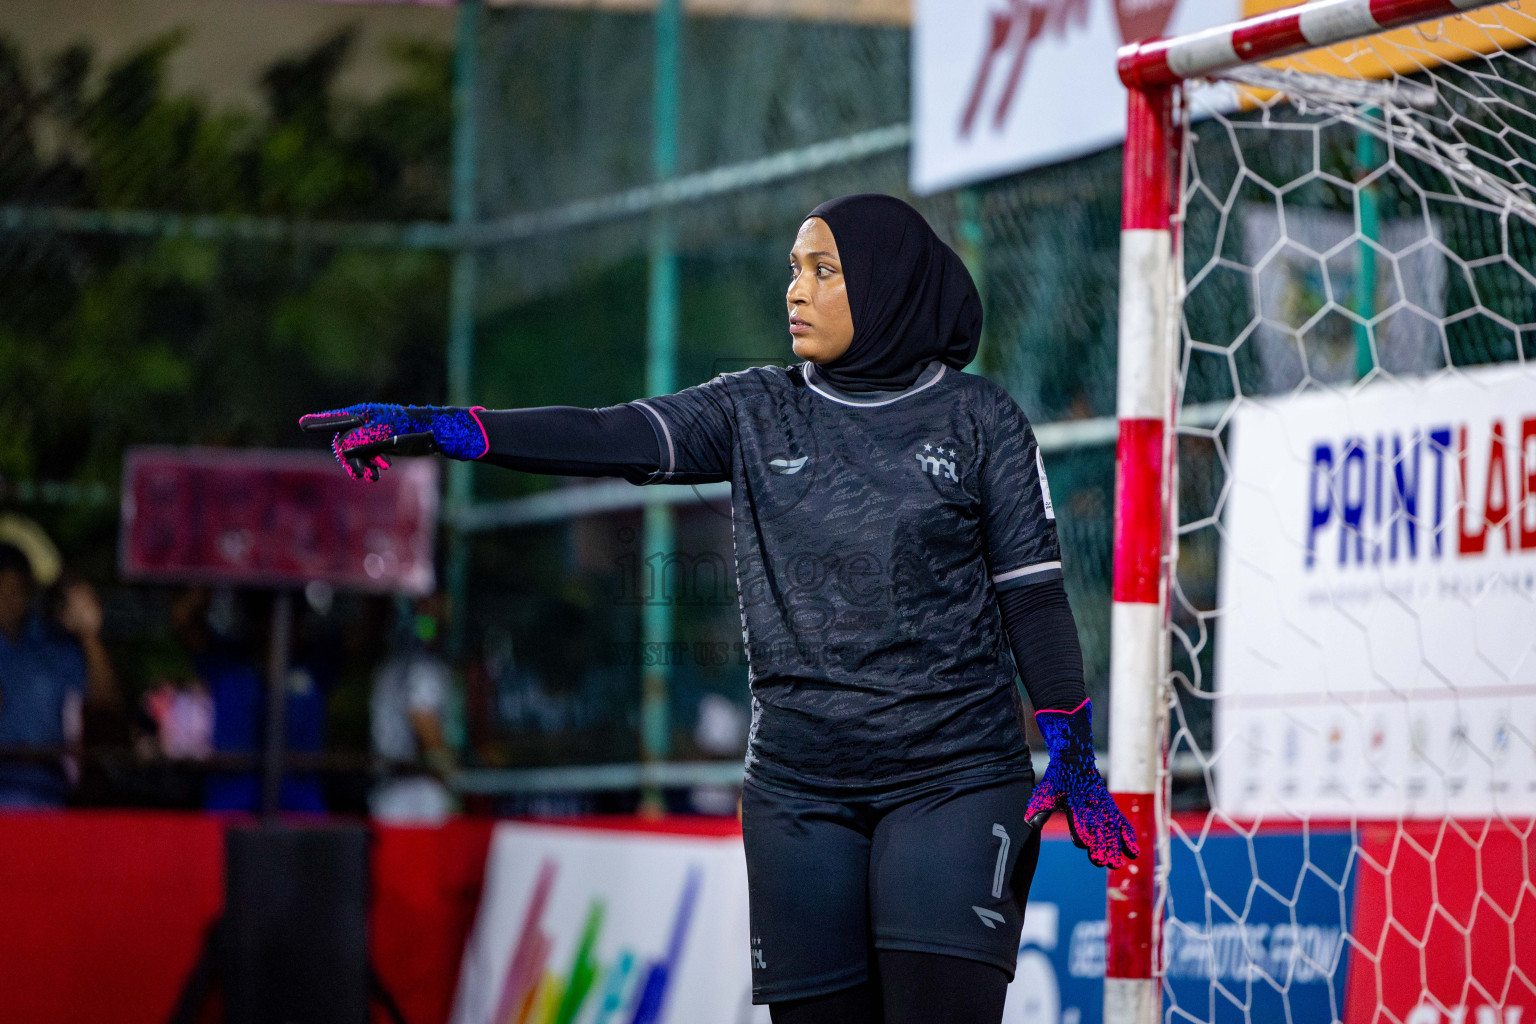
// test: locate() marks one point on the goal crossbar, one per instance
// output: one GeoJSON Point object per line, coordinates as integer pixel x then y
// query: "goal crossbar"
{"type": "Point", "coordinates": [1157, 62]}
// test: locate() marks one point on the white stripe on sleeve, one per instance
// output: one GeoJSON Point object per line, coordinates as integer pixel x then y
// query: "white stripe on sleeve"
{"type": "Point", "coordinates": [671, 452]}
{"type": "Point", "coordinates": [1028, 570]}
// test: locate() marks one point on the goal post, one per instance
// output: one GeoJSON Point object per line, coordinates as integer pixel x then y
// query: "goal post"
{"type": "Point", "coordinates": [1366, 222]}
{"type": "Point", "coordinates": [1143, 404]}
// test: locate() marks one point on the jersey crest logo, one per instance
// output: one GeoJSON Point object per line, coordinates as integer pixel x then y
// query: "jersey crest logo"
{"type": "Point", "coordinates": [787, 467]}
{"type": "Point", "coordinates": [939, 461]}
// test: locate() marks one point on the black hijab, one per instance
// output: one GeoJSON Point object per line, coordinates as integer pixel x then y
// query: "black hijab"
{"type": "Point", "coordinates": [911, 297]}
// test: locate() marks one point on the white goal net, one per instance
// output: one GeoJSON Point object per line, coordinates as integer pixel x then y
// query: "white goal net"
{"type": "Point", "coordinates": [1347, 830]}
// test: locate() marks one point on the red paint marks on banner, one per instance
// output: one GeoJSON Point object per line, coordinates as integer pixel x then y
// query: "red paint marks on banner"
{"type": "Point", "coordinates": [1525, 461]}
{"type": "Point", "coordinates": [1128, 949]}
{"type": "Point", "coordinates": [1012, 32]}
{"type": "Point", "coordinates": [1445, 924]}
{"type": "Point", "coordinates": [1496, 496]}
{"type": "Point", "coordinates": [1143, 19]}
{"type": "Point", "coordinates": [1138, 510]}
{"type": "Point", "coordinates": [530, 953]}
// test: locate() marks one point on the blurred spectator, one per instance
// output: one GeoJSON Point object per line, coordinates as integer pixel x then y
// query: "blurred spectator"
{"type": "Point", "coordinates": [409, 706]}
{"type": "Point", "coordinates": [182, 711]}
{"type": "Point", "coordinates": [33, 542]}
{"type": "Point", "coordinates": [75, 617]}
{"type": "Point", "coordinates": [47, 672]}
{"type": "Point", "coordinates": [208, 631]}
{"type": "Point", "coordinates": [216, 632]}
{"type": "Point", "coordinates": [75, 609]}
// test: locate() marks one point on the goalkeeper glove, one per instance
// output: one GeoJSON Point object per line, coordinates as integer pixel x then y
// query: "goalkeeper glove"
{"type": "Point", "coordinates": [364, 433]}
{"type": "Point", "coordinates": [1072, 781]}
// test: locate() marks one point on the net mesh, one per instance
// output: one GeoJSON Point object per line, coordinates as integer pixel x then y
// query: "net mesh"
{"type": "Point", "coordinates": [1352, 683]}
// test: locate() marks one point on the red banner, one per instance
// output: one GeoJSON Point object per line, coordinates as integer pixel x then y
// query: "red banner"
{"type": "Point", "coordinates": [105, 912]}
{"type": "Point", "coordinates": [276, 518]}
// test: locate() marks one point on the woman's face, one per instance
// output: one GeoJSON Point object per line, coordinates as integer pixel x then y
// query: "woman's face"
{"type": "Point", "coordinates": [820, 322]}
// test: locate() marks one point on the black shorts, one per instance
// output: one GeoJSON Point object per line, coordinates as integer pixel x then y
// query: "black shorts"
{"type": "Point", "coordinates": [944, 871]}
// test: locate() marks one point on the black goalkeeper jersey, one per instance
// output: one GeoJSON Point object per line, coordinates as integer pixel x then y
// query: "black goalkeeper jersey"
{"type": "Point", "coordinates": [871, 533]}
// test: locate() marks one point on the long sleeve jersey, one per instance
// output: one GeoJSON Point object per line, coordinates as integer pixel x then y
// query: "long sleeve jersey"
{"type": "Point", "coordinates": [880, 541]}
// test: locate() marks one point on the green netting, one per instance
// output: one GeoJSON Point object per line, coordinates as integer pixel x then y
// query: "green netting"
{"type": "Point", "coordinates": [157, 328]}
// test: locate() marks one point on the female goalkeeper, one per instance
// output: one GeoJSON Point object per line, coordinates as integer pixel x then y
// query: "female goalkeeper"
{"type": "Point", "coordinates": [894, 538]}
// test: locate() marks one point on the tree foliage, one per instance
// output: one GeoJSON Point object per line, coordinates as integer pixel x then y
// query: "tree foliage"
{"type": "Point", "coordinates": [111, 340]}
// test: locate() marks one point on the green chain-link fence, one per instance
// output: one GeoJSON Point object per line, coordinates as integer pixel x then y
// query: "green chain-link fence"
{"type": "Point", "coordinates": [180, 273]}
{"type": "Point", "coordinates": [172, 271]}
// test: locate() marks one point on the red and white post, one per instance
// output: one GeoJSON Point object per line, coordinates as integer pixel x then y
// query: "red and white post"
{"type": "Point", "coordinates": [1144, 405]}
{"type": "Point", "coordinates": [1152, 70]}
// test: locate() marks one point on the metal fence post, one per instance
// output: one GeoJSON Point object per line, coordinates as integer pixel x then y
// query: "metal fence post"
{"type": "Point", "coordinates": [660, 379]}
{"type": "Point", "coordinates": [461, 304]}
{"type": "Point", "coordinates": [1367, 159]}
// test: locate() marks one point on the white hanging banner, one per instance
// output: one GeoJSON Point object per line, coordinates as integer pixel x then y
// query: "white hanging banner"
{"type": "Point", "coordinates": [1376, 651]}
{"type": "Point", "coordinates": [1003, 85]}
{"type": "Point", "coordinates": [609, 926]}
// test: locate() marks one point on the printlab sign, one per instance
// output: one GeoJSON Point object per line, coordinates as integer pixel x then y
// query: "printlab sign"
{"type": "Point", "coordinates": [1376, 655]}
{"type": "Point", "coordinates": [1003, 85]}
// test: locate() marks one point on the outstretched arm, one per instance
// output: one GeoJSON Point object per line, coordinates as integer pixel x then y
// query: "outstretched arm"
{"type": "Point", "coordinates": [564, 440]}
{"type": "Point", "coordinates": [568, 441]}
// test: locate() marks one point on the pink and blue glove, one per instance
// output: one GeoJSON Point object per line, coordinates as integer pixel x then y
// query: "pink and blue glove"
{"type": "Point", "coordinates": [1072, 782]}
{"type": "Point", "coordinates": [365, 434]}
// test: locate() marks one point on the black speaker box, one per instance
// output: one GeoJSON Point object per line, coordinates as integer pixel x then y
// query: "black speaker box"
{"type": "Point", "coordinates": [294, 939]}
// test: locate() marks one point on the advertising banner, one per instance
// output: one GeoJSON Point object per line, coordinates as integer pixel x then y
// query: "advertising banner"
{"type": "Point", "coordinates": [1376, 655]}
{"type": "Point", "coordinates": [1234, 952]}
{"type": "Point", "coordinates": [1257, 927]}
{"type": "Point", "coordinates": [276, 518]}
{"type": "Point", "coordinates": [1425, 921]}
{"type": "Point", "coordinates": [1000, 86]}
{"type": "Point", "coordinates": [602, 927]}
{"type": "Point", "coordinates": [1004, 85]}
